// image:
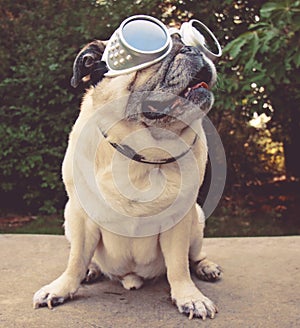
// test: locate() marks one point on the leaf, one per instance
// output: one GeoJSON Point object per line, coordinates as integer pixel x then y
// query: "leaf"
{"type": "Point", "coordinates": [296, 59]}
{"type": "Point", "coordinates": [53, 66]}
{"type": "Point", "coordinates": [259, 78]}
{"type": "Point", "coordinates": [296, 22]}
{"type": "Point", "coordinates": [259, 25]}
{"type": "Point", "coordinates": [269, 8]}
{"type": "Point", "coordinates": [235, 46]}
{"type": "Point", "coordinates": [266, 40]}
{"type": "Point", "coordinates": [250, 64]}
{"type": "Point", "coordinates": [254, 44]}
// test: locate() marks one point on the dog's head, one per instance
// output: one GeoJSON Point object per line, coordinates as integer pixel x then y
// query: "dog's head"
{"type": "Point", "coordinates": [172, 92]}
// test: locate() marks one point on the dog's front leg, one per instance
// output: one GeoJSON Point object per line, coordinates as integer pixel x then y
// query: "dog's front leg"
{"type": "Point", "coordinates": [175, 245]}
{"type": "Point", "coordinates": [85, 236]}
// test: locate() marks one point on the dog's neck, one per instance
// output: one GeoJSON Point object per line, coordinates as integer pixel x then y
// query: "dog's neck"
{"type": "Point", "coordinates": [138, 144]}
{"type": "Point", "coordinates": [135, 156]}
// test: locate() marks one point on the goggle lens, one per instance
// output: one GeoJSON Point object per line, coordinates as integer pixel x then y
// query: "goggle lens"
{"type": "Point", "coordinates": [144, 35]}
{"type": "Point", "coordinates": [206, 38]}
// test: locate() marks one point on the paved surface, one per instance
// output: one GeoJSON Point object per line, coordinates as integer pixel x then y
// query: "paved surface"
{"type": "Point", "coordinates": [260, 288]}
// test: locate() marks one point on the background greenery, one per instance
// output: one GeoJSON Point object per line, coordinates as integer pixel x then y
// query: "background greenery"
{"type": "Point", "coordinates": [259, 72]}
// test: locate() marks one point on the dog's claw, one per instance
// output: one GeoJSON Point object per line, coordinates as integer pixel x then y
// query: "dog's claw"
{"type": "Point", "coordinates": [49, 304]}
{"type": "Point", "coordinates": [43, 298]}
{"type": "Point", "coordinates": [197, 307]}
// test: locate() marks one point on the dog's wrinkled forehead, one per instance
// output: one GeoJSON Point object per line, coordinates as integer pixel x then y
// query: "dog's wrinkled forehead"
{"type": "Point", "coordinates": [157, 72]}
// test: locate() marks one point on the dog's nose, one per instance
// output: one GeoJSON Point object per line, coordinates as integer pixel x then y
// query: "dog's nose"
{"type": "Point", "coordinates": [205, 74]}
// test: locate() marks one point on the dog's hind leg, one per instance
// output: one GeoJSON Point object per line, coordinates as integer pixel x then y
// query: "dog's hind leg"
{"type": "Point", "coordinates": [84, 236]}
{"type": "Point", "coordinates": [203, 268]}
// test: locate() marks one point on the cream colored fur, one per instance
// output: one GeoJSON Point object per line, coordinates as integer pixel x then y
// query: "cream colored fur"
{"type": "Point", "coordinates": [129, 259]}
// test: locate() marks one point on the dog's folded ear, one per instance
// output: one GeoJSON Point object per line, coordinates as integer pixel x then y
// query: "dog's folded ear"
{"type": "Point", "coordinates": [88, 64]}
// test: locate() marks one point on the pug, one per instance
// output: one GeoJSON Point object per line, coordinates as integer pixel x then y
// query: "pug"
{"type": "Point", "coordinates": [163, 105]}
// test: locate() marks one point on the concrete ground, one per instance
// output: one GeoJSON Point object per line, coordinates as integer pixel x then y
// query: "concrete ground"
{"type": "Point", "coordinates": [260, 288]}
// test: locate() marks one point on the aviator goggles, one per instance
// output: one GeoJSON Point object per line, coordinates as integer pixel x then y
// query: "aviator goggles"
{"type": "Point", "coordinates": [142, 40]}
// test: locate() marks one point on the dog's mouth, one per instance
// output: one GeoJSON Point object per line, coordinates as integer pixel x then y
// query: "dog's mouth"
{"type": "Point", "coordinates": [155, 110]}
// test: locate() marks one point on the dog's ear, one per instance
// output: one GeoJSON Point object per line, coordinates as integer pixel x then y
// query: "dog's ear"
{"type": "Point", "coordinates": [88, 64]}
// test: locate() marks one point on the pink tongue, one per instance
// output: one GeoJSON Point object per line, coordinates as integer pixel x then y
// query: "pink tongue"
{"type": "Point", "coordinates": [200, 85]}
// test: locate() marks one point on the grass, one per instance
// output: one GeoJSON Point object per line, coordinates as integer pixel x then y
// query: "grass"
{"type": "Point", "coordinates": [264, 225]}
{"type": "Point", "coordinates": [269, 210]}
{"type": "Point", "coordinates": [222, 224]}
{"type": "Point", "coordinates": [49, 225]}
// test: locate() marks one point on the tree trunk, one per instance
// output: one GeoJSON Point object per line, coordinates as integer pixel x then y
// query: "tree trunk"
{"type": "Point", "coordinates": [292, 142]}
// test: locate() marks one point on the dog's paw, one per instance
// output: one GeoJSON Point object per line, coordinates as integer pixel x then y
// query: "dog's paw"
{"type": "Point", "coordinates": [93, 274]}
{"type": "Point", "coordinates": [44, 298]}
{"type": "Point", "coordinates": [197, 305]}
{"type": "Point", "coordinates": [208, 271]}
{"type": "Point", "coordinates": [55, 293]}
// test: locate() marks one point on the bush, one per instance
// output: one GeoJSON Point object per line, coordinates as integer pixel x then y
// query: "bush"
{"type": "Point", "coordinates": [37, 107]}
{"type": "Point", "coordinates": [38, 42]}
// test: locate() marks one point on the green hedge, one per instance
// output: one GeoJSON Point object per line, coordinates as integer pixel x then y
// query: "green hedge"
{"type": "Point", "coordinates": [39, 40]}
{"type": "Point", "coordinates": [37, 105]}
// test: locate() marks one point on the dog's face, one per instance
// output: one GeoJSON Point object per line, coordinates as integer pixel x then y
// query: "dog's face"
{"type": "Point", "coordinates": [183, 79]}
{"type": "Point", "coordinates": [173, 92]}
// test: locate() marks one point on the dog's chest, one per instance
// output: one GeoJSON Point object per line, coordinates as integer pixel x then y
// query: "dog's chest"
{"type": "Point", "coordinates": [139, 189]}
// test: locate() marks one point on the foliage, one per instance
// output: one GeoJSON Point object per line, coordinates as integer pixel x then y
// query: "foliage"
{"type": "Point", "coordinates": [36, 102]}
{"type": "Point", "coordinates": [39, 40]}
{"type": "Point", "coordinates": [265, 74]}
{"type": "Point", "coordinates": [258, 73]}
{"type": "Point", "coordinates": [47, 225]}
{"type": "Point", "coordinates": [267, 54]}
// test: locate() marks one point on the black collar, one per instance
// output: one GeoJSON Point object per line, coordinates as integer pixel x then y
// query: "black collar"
{"type": "Point", "coordinates": [132, 154]}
